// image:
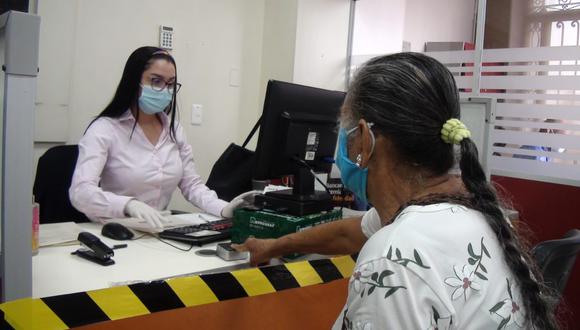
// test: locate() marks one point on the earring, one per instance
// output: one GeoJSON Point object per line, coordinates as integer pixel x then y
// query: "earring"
{"type": "Point", "coordinates": [358, 160]}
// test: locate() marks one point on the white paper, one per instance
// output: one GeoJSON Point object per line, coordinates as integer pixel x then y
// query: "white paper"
{"type": "Point", "coordinates": [272, 187]}
{"type": "Point", "coordinates": [203, 233]}
{"type": "Point", "coordinates": [58, 233]}
{"type": "Point", "coordinates": [193, 218]}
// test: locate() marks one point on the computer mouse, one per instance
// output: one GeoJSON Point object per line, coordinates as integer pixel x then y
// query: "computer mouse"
{"type": "Point", "coordinates": [117, 231]}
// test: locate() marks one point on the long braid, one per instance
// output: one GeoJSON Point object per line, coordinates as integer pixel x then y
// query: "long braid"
{"type": "Point", "coordinates": [539, 314]}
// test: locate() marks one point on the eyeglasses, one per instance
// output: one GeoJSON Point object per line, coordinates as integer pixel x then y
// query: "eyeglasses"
{"type": "Point", "coordinates": [158, 84]}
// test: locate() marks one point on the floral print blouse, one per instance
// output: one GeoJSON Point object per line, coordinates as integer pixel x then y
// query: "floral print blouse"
{"type": "Point", "coordinates": [435, 267]}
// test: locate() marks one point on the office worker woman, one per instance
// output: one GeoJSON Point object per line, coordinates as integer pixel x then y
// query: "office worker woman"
{"type": "Point", "coordinates": [134, 154]}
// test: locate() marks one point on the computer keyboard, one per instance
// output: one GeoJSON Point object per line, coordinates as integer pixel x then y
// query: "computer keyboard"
{"type": "Point", "coordinates": [200, 234]}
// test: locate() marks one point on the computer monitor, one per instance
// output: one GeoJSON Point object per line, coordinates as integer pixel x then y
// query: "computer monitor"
{"type": "Point", "coordinates": [298, 134]}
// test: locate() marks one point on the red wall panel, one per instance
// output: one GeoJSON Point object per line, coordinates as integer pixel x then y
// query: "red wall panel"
{"type": "Point", "coordinates": [549, 210]}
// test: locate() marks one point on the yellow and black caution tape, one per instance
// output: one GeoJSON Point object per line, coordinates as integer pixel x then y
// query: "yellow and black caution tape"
{"type": "Point", "coordinates": [76, 309]}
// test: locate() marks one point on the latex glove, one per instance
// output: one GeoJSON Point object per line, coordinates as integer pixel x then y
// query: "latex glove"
{"type": "Point", "coordinates": [144, 212]}
{"type": "Point", "coordinates": [261, 250]}
{"type": "Point", "coordinates": [239, 201]}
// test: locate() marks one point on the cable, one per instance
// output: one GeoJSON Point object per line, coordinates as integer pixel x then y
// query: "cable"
{"type": "Point", "coordinates": [140, 237]}
{"type": "Point", "coordinates": [173, 246]}
{"type": "Point", "coordinates": [312, 172]}
{"type": "Point", "coordinates": [320, 181]}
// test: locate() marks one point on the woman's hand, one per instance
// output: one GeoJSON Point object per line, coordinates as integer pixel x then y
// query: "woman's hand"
{"type": "Point", "coordinates": [241, 200]}
{"type": "Point", "coordinates": [142, 211]}
{"type": "Point", "coordinates": [261, 250]}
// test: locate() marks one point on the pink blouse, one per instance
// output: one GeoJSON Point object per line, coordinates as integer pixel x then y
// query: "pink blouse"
{"type": "Point", "coordinates": [114, 167]}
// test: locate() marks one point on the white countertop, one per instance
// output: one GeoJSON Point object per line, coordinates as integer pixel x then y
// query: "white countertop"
{"type": "Point", "coordinates": [55, 271]}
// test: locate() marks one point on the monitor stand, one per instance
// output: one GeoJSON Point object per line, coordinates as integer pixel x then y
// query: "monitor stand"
{"type": "Point", "coordinates": [300, 200]}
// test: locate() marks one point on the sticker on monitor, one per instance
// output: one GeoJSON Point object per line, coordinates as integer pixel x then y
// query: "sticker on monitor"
{"type": "Point", "coordinates": [312, 138]}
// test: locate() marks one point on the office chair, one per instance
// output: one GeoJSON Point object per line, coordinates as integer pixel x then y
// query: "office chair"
{"type": "Point", "coordinates": [556, 259]}
{"type": "Point", "coordinates": [53, 178]}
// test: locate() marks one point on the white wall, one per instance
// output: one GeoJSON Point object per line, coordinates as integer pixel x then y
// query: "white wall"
{"type": "Point", "coordinates": [438, 20]}
{"type": "Point", "coordinates": [58, 24]}
{"type": "Point", "coordinates": [278, 47]}
{"type": "Point", "coordinates": [279, 41]}
{"type": "Point", "coordinates": [305, 42]}
{"type": "Point", "coordinates": [378, 27]}
{"type": "Point", "coordinates": [321, 42]}
{"type": "Point", "coordinates": [381, 26]}
{"type": "Point", "coordinates": [85, 44]}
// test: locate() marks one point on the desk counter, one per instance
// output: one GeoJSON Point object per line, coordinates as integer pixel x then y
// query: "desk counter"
{"type": "Point", "coordinates": [55, 271]}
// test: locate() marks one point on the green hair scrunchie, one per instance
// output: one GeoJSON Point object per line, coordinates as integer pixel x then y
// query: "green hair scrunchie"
{"type": "Point", "coordinates": [454, 131]}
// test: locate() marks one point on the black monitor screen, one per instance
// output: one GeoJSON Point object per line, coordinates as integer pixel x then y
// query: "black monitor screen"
{"type": "Point", "coordinates": [17, 5]}
{"type": "Point", "coordinates": [298, 122]}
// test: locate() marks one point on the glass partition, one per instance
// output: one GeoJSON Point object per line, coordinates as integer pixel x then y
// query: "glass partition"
{"type": "Point", "coordinates": [531, 64]}
{"type": "Point", "coordinates": [384, 27]}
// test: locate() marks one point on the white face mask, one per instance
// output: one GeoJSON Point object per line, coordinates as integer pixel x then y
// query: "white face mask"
{"type": "Point", "coordinates": [152, 101]}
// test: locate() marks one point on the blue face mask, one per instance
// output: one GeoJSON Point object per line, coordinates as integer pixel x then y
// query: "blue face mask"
{"type": "Point", "coordinates": [354, 178]}
{"type": "Point", "coordinates": [152, 101]}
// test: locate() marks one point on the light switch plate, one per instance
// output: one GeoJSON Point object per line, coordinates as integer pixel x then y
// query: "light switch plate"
{"type": "Point", "coordinates": [235, 77]}
{"type": "Point", "coordinates": [196, 114]}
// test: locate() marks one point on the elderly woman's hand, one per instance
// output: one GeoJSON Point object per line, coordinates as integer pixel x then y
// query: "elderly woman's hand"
{"type": "Point", "coordinates": [261, 250]}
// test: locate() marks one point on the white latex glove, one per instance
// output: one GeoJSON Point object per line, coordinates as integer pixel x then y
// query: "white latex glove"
{"type": "Point", "coordinates": [239, 201]}
{"type": "Point", "coordinates": [144, 212]}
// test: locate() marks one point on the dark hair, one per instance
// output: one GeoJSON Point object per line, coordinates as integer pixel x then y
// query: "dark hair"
{"type": "Point", "coordinates": [128, 89]}
{"type": "Point", "coordinates": [408, 97]}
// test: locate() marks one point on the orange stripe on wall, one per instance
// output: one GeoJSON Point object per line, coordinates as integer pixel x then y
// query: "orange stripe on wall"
{"type": "Point", "coordinates": [311, 307]}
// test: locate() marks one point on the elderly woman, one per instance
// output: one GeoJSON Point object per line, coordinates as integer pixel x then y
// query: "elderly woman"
{"type": "Point", "coordinates": [437, 250]}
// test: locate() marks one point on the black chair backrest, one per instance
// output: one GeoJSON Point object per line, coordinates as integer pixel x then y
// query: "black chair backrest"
{"type": "Point", "coordinates": [53, 178]}
{"type": "Point", "coordinates": [556, 259]}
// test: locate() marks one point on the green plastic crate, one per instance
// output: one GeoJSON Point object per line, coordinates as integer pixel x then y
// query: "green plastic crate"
{"type": "Point", "coordinates": [267, 224]}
